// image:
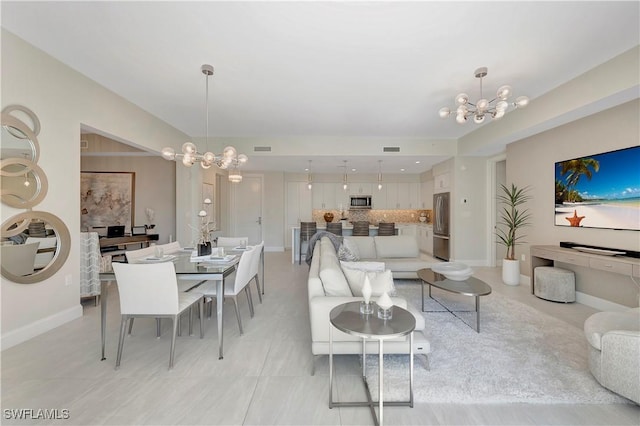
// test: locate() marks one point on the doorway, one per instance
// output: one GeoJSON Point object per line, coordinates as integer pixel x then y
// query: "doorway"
{"type": "Point", "coordinates": [497, 176]}
{"type": "Point", "coordinates": [247, 206]}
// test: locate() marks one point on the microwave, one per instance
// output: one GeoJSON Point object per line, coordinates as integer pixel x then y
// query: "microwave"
{"type": "Point", "coordinates": [360, 202]}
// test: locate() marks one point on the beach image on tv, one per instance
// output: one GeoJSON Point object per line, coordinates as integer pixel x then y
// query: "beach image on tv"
{"type": "Point", "coordinates": [599, 191]}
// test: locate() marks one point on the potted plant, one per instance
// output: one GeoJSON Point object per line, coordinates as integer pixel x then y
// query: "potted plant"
{"type": "Point", "coordinates": [512, 219]}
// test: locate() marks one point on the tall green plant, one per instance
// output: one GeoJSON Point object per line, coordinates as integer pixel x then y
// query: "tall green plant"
{"type": "Point", "coordinates": [512, 218]}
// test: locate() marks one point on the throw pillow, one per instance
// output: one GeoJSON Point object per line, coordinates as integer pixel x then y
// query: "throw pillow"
{"type": "Point", "coordinates": [348, 251]}
{"type": "Point", "coordinates": [364, 266]}
{"type": "Point", "coordinates": [380, 282]}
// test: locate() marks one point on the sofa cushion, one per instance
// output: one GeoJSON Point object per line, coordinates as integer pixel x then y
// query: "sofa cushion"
{"type": "Point", "coordinates": [333, 280]}
{"type": "Point", "coordinates": [405, 265]}
{"type": "Point", "coordinates": [366, 246]}
{"type": "Point", "coordinates": [364, 266]}
{"type": "Point", "coordinates": [396, 246]}
{"type": "Point", "coordinates": [600, 323]}
{"type": "Point", "coordinates": [348, 251]}
{"type": "Point", "coordinates": [380, 282]}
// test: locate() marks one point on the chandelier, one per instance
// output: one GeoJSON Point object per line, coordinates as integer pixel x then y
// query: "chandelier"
{"type": "Point", "coordinates": [495, 108]}
{"type": "Point", "coordinates": [229, 159]}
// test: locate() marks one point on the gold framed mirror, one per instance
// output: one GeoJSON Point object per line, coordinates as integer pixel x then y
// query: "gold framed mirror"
{"type": "Point", "coordinates": [31, 257]}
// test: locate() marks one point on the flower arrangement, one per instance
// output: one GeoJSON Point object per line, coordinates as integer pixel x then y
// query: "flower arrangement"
{"type": "Point", "coordinates": [151, 215]}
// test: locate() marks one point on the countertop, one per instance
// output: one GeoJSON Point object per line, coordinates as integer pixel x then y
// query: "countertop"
{"type": "Point", "coordinates": [371, 226]}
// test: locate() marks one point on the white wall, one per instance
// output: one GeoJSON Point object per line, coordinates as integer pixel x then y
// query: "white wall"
{"type": "Point", "coordinates": [531, 162]}
{"type": "Point", "coordinates": [63, 100]}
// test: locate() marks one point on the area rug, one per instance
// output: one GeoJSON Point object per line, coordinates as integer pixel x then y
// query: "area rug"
{"type": "Point", "coordinates": [520, 355]}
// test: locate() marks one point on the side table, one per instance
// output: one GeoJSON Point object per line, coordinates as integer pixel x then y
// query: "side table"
{"type": "Point", "coordinates": [347, 318]}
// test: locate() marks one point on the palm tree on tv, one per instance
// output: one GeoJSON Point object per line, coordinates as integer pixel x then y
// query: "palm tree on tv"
{"type": "Point", "coordinates": [575, 169]}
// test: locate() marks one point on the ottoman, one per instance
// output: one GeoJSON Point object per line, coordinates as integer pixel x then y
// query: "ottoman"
{"type": "Point", "coordinates": [555, 284]}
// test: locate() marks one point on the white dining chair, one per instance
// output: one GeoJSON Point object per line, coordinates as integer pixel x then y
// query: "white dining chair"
{"type": "Point", "coordinates": [241, 279]}
{"type": "Point", "coordinates": [19, 259]}
{"type": "Point", "coordinates": [151, 290]}
{"type": "Point", "coordinates": [232, 241]}
{"type": "Point", "coordinates": [134, 256]}
{"type": "Point", "coordinates": [171, 248]}
{"type": "Point", "coordinates": [255, 268]}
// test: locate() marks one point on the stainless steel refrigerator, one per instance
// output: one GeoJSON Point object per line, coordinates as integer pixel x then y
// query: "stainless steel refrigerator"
{"type": "Point", "coordinates": [441, 226]}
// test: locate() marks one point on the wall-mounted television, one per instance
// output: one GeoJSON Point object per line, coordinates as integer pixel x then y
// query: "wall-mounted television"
{"type": "Point", "coordinates": [599, 191]}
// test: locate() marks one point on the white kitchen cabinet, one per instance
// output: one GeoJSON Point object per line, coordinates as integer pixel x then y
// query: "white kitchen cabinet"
{"type": "Point", "coordinates": [379, 197]}
{"type": "Point", "coordinates": [414, 195]}
{"type": "Point", "coordinates": [393, 201]}
{"type": "Point", "coordinates": [298, 204]}
{"type": "Point", "coordinates": [441, 183]}
{"type": "Point", "coordinates": [425, 239]}
{"type": "Point", "coordinates": [426, 195]}
{"type": "Point", "coordinates": [324, 196]}
{"type": "Point", "coordinates": [407, 229]}
{"type": "Point", "coordinates": [361, 188]}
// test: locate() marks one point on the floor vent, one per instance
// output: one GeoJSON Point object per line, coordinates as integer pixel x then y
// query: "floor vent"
{"type": "Point", "coordinates": [391, 149]}
{"type": "Point", "coordinates": [261, 149]}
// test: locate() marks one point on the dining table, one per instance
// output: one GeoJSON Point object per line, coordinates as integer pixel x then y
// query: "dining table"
{"type": "Point", "coordinates": [186, 270]}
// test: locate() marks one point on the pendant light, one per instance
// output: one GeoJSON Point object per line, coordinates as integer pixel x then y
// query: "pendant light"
{"type": "Point", "coordinates": [309, 177]}
{"type": "Point", "coordinates": [379, 175]}
{"type": "Point", "coordinates": [345, 184]}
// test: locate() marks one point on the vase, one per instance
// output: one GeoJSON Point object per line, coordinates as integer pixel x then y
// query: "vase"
{"type": "Point", "coordinates": [204, 249]}
{"type": "Point", "coordinates": [328, 217]}
{"type": "Point", "coordinates": [511, 271]}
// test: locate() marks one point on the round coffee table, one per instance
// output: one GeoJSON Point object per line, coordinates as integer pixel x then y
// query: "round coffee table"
{"type": "Point", "coordinates": [347, 318]}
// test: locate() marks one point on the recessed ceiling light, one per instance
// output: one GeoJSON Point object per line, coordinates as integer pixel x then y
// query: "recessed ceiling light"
{"type": "Point", "coordinates": [353, 170]}
{"type": "Point", "coordinates": [402, 170]}
{"type": "Point", "coordinates": [306, 170]}
{"type": "Point", "coordinates": [418, 162]}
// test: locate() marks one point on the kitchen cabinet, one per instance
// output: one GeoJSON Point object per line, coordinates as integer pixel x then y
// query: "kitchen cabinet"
{"type": "Point", "coordinates": [379, 197]}
{"type": "Point", "coordinates": [425, 239]}
{"type": "Point", "coordinates": [407, 229]}
{"type": "Point", "coordinates": [402, 195]}
{"type": "Point", "coordinates": [324, 196]}
{"type": "Point", "coordinates": [298, 204]}
{"type": "Point", "coordinates": [360, 188]}
{"type": "Point", "coordinates": [441, 183]}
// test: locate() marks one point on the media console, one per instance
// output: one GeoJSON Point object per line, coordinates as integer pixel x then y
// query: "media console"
{"type": "Point", "coordinates": [547, 255]}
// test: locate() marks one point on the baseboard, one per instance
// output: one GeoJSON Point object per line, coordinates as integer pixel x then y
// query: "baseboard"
{"type": "Point", "coordinates": [29, 331]}
{"type": "Point", "coordinates": [598, 303]}
{"type": "Point", "coordinates": [274, 248]}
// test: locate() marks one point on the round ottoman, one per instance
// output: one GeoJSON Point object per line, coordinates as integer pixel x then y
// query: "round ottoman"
{"type": "Point", "coordinates": [555, 284]}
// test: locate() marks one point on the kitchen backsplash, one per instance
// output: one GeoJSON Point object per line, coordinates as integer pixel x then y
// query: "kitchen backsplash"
{"type": "Point", "coordinates": [375, 216]}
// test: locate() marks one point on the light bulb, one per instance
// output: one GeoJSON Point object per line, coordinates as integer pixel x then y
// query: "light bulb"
{"type": "Point", "coordinates": [205, 164]}
{"type": "Point", "coordinates": [26, 181]}
{"type": "Point", "coordinates": [482, 105]}
{"type": "Point", "coordinates": [444, 112]}
{"type": "Point", "coordinates": [188, 160]}
{"type": "Point", "coordinates": [168, 153]}
{"type": "Point", "coordinates": [379, 186]}
{"type": "Point", "coordinates": [202, 213]}
{"type": "Point", "coordinates": [309, 185]}
{"type": "Point", "coordinates": [242, 158]}
{"type": "Point", "coordinates": [462, 98]}
{"type": "Point", "coordinates": [504, 92]}
{"type": "Point", "coordinates": [522, 101]}
{"type": "Point", "coordinates": [209, 157]}
{"type": "Point", "coordinates": [229, 152]}
{"type": "Point", "coordinates": [206, 201]}
{"type": "Point", "coordinates": [478, 118]}
{"type": "Point", "coordinates": [502, 106]}
{"type": "Point", "coordinates": [498, 114]}
{"type": "Point", "coordinates": [189, 148]}
{"type": "Point", "coordinates": [461, 119]}
{"type": "Point", "coordinates": [462, 109]}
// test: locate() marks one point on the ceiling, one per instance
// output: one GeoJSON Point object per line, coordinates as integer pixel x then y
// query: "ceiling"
{"type": "Point", "coordinates": [298, 70]}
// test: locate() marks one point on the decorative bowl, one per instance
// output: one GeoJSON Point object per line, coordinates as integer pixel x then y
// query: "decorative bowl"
{"type": "Point", "coordinates": [423, 218]}
{"type": "Point", "coordinates": [455, 271]}
{"type": "Point", "coordinates": [328, 217]}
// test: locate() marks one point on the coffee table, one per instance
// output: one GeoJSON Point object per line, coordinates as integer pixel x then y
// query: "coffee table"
{"type": "Point", "coordinates": [470, 287]}
{"type": "Point", "coordinates": [347, 318]}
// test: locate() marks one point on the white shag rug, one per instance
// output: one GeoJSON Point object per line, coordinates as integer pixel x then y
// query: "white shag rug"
{"type": "Point", "coordinates": [520, 355]}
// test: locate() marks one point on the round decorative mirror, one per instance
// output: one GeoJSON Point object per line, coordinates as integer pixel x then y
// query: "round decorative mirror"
{"type": "Point", "coordinates": [24, 183]}
{"type": "Point", "coordinates": [34, 246]}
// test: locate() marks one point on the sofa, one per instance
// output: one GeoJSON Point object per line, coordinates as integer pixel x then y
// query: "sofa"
{"type": "Point", "coordinates": [614, 351]}
{"type": "Point", "coordinates": [328, 288]}
{"type": "Point", "coordinates": [400, 253]}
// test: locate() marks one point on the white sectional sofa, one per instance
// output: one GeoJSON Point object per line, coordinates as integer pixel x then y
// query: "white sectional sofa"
{"type": "Point", "coordinates": [400, 253]}
{"type": "Point", "coordinates": [328, 288]}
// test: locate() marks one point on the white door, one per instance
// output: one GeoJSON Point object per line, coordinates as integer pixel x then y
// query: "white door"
{"type": "Point", "coordinates": [247, 211]}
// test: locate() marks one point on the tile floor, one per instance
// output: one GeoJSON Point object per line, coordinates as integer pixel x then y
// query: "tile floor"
{"type": "Point", "coordinates": [264, 378]}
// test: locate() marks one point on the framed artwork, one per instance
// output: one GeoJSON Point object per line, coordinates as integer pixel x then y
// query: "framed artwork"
{"type": "Point", "coordinates": [107, 199]}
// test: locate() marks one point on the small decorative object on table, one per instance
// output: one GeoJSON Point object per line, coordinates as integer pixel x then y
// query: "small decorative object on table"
{"type": "Point", "coordinates": [151, 215]}
{"type": "Point", "coordinates": [328, 217]}
{"type": "Point", "coordinates": [366, 307]}
{"type": "Point", "coordinates": [204, 242]}
{"type": "Point", "coordinates": [385, 307]}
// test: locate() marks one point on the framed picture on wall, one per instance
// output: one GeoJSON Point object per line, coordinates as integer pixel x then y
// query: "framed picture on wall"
{"type": "Point", "coordinates": [107, 199]}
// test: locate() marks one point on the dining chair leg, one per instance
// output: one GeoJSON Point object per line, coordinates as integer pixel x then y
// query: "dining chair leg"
{"type": "Point", "coordinates": [157, 328]}
{"type": "Point", "coordinates": [247, 290]}
{"type": "Point", "coordinates": [191, 321]}
{"type": "Point", "coordinates": [130, 325]}
{"type": "Point", "coordinates": [179, 325]}
{"type": "Point", "coordinates": [123, 330]}
{"type": "Point", "coordinates": [201, 312]}
{"type": "Point", "coordinates": [173, 340]}
{"type": "Point", "coordinates": [258, 287]}
{"type": "Point", "coordinates": [235, 305]}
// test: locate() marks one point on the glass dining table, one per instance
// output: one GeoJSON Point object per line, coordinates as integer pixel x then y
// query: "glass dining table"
{"type": "Point", "coordinates": [186, 271]}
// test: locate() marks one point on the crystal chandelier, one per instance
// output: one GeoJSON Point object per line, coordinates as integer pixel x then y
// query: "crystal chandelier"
{"type": "Point", "coordinates": [495, 108]}
{"type": "Point", "coordinates": [229, 159]}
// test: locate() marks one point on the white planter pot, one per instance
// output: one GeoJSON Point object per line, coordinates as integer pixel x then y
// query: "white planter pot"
{"type": "Point", "coordinates": [511, 271]}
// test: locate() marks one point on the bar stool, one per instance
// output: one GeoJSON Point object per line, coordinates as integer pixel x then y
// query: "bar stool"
{"type": "Point", "coordinates": [361, 228]}
{"type": "Point", "coordinates": [386, 228]}
{"type": "Point", "coordinates": [334, 228]}
{"type": "Point", "coordinates": [307, 229]}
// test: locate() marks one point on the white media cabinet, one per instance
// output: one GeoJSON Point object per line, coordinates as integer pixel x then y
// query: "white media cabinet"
{"type": "Point", "coordinates": [547, 255]}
